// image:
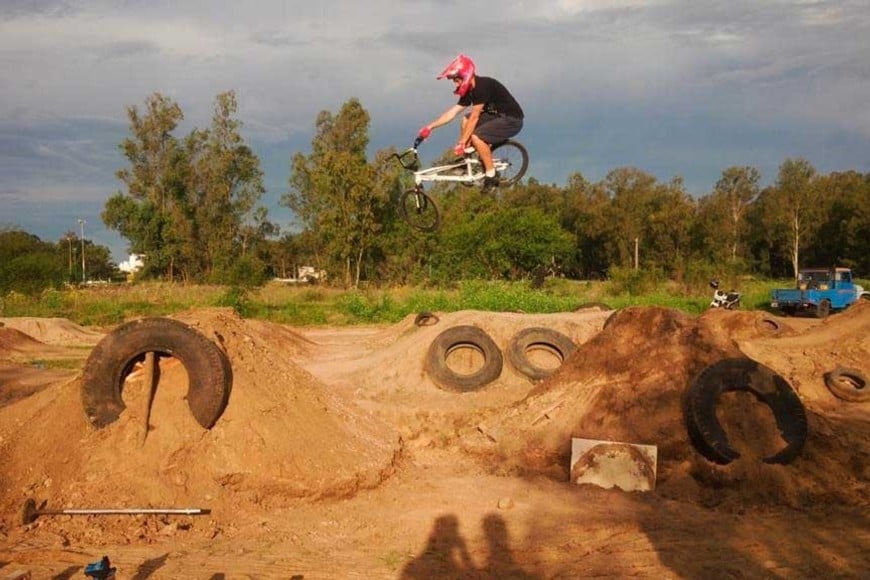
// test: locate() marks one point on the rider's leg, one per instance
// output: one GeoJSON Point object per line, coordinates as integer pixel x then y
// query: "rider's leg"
{"type": "Point", "coordinates": [484, 152]}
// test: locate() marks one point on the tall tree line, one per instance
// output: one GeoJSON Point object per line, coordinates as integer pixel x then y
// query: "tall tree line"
{"type": "Point", "coordinates": [627, 221]}
{"type": "Point", "coordinates": [191, 205]}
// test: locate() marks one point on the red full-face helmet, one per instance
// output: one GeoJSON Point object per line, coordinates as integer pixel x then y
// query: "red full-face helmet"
{"type": "Point", "coordinates": [461, 68]}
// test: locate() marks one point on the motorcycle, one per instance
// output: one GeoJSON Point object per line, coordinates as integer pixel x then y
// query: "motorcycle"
{"type": "Point", "coordinates": [721, 299]}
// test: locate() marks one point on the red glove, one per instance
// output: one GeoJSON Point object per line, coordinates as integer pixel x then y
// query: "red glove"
{"type": "Point", "coordinates": [424, 133]}
{"type": "Point", "coordinates": [459, 150]}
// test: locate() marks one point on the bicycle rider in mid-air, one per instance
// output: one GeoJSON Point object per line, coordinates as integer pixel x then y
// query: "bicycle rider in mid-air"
{"type": "Point", "coordinates": [495, 114]}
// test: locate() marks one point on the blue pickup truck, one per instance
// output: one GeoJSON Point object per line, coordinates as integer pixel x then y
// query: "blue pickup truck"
{"type": "Point", "coordinates": [819, 291]}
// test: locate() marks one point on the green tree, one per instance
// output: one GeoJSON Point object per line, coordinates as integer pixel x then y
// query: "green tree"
{"type": "Point", "coordinates": [631, 193]}
{"type": "Point", "coordinates": [586, 216]}
{"type": "Point", "coordinates": [844, 234]}
{"type": "Point", "coordinates": [507, 243]}
{"type": "Point", "coordinates": [333, 190]}
{"type": "Point", "coordinates": [797, 205]}
{"type": "Point", "coordinates": [154, 182]}
{"type": "Point", "coordinates": [190, 205]}
{"type": "Point", "coordinates": [734, 192]}
{"type": "Point", "coordinates": [224, 185]}
{"type": "Point", "coordinates": [27, 264]}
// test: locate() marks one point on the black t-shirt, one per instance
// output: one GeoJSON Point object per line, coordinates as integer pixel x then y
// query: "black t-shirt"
{"type": "Point", "coordinates": [494, 96]}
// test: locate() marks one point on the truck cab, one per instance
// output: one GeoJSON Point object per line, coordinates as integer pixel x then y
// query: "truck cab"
{"type": "Point", "coordinates": [819, 291]}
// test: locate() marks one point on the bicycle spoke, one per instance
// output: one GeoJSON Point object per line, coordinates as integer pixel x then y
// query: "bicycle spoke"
{"type": "Point", "coordinates": [419, 210]}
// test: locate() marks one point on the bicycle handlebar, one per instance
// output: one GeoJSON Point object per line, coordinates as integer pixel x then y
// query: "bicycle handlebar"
{"type": "Point", "coordinates": [409, 159]}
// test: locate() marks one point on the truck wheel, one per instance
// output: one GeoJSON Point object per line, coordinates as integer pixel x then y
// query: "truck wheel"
{"type": "Point", "coordinates": [208, 369]}
{"type": "Point", "coordinates": [823, 309]}
{"type": "Point", "coordinates": [848, 384]}
{"type": "Point", "coordinates": [541, 338]}
{"type": "Point", "coordinates": [458, 337]}
{"type": "Point", "coordinates": [742, 374]}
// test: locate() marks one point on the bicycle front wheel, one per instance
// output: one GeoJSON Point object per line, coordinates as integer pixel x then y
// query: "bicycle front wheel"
{"type": "Point", "coordinates": [511, 160]}
{"type": "Point", "coordinates": [419, 210]}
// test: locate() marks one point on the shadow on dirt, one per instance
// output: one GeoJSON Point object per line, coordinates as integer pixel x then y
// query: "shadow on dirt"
{"type": "Point", "coordinates": [149, 567]}
{"type": "Point", "coordinates": [807, 519]}
{"type": "Point", "coordinates": [70, 572]}
{"type": "Point", "coordinates": [750, 547]}
{"type": "Point", "coordinates": [446, 553]}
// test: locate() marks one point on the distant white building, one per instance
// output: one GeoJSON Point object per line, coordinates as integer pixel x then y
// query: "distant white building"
{"type": "Point", "coordinates": [132, 265]}
{"type": "Point", "coordinates": [308, 274]}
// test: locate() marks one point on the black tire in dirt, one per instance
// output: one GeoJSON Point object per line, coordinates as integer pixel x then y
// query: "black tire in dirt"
{"type": "Point", "coordinates": [426, 319]}
{"type": "Point", "coordinates": [419, 210]}
{"type": "Point", "coordinates": [742, 374]}
{"type": "Point", "coordinates": [515, 158]}
{"type": "Point", "coordinates": [208, 368]}
{"type": "Point", "coordinates": [848, 384]}
{"type": "Point", "coordinates": [457, 337]}
{"type": "Point", "coordinates": [529, 339]}
{"type": "Point", "coordinates": [769, 326]}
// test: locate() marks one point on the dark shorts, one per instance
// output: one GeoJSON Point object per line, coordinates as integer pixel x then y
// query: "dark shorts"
{"type": "Point", "coordinates": [494, 129]}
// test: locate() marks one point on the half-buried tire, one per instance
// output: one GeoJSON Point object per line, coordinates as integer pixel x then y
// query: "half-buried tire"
{"type": "Point", "coordinates": [463, 337]}
{"type": "Point", "coordinates": [848, 384]}
{"type": "Point", "coordinates": [426, 319]}
{"type": "Point", "coordinates": [208, 369]}
{"type": "Point", "coordinates": [538, 338]}
{"type": "Point", "coordinates": [742, 374]}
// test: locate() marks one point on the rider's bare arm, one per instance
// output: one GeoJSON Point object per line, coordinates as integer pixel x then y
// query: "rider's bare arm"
{"type": "Point", "coordinates": [446, 116]}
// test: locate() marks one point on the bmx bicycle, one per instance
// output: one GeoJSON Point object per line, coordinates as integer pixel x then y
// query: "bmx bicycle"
{"type": "Point", "coordinates": [510, 159]}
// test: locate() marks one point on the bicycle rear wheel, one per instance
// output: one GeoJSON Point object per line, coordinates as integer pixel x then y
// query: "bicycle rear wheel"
{"type": "Point", "coordinates": [419, 210]}
{"type": "Point", "coordinates": [511, 160]}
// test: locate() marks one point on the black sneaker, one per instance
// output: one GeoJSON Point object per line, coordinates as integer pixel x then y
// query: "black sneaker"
{"type": "Point", "coordinates": [490, 183]}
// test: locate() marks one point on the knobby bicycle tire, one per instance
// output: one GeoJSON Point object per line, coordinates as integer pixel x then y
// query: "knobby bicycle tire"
{"type": "Point", "coordinates": [419, 210]}
{"type": "Point", "coordinates": [512, 177]}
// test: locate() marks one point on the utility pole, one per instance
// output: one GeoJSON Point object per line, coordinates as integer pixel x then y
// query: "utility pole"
{"type": "Point", "coordinates": [82, 225]}
{"type": "Point", "coordinates": [69, 238]}
{"type": "Point", "coordinates": [636, 254]}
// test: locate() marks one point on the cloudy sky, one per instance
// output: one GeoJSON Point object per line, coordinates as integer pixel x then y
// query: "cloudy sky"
{"type": "Point", "coordinates": [673, 87]}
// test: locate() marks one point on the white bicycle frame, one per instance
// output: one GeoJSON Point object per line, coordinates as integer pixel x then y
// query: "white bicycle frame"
{"type": "Point", "coordinates": [473, 170]}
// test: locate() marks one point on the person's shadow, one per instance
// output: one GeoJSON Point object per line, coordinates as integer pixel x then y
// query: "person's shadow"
{"type": "Point", "coordinates": [500, 561]}
{"type": "Point", "coordinates": [445, 554]}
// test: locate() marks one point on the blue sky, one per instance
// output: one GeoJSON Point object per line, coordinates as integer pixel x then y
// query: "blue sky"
{"type": "Point", "coordinates": [673, 87]}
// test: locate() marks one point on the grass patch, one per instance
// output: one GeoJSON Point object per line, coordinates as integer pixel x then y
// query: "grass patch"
{"type": "Point", "coordinates": [320, 305]}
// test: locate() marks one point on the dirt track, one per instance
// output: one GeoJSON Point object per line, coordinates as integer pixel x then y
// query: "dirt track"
{"type": "Point", "coordinates": [339, 457]}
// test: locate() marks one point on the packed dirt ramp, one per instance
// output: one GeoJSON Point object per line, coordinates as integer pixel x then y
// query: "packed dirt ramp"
{"type": "Point", "coordinates": [338, 455]}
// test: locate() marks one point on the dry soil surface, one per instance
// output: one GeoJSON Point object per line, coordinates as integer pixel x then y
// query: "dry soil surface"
{"type": "Point", "coordinates": [338, 456]}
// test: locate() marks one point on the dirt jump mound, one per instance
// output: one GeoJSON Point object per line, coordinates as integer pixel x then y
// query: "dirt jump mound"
{"type": "Point", "coordinates": [630, 384]}
{"type": "Point", "coordinates": [282, 436]}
